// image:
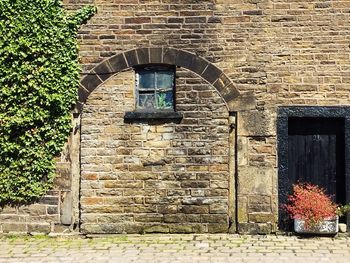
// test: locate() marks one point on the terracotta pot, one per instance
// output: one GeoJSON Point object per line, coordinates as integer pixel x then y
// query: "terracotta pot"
{"type": "Point", "coordinates": [327, 226]}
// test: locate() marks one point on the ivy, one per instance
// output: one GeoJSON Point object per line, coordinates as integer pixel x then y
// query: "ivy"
{"type": "Point", "coordinates": [39, 76]}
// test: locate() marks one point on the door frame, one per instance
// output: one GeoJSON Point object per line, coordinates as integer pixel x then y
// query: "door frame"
{"type": "Point", "coordinates": [284, 113]}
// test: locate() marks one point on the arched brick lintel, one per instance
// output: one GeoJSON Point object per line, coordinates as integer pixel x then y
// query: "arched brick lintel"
{"type": "Point", "coordinates": [171, 56]}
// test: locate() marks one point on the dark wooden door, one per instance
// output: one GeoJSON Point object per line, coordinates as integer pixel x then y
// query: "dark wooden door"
{"type": "Point", "coordinates": [316, 154]}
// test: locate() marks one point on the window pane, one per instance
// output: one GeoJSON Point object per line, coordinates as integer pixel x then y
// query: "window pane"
{"type": "Point", "coordinates": [146, 101]}
{"type": "Point", "coordinates": [165, 79]}
{"type": "Point", "coordinates": [165, 100]}
{"type": "Point", "coordinates": [146, 80]}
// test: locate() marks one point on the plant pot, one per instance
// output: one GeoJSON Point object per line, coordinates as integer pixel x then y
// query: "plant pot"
{"type": "Point", "coordinates": [327, 226]}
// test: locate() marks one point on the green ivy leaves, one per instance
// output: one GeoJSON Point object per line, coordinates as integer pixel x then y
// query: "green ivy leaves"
{"type": "Point", "coordinates": [39, 75]}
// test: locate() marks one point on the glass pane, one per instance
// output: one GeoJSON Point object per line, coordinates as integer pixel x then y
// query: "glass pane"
{"type": "Point", "coordinates": [146, 80]}
{"type": "Point", "coordinates": [165, 100]}
{"type": "Point", "coordinates": [165, 79]}
{"type": "Point", "coordinates": [146, 101]}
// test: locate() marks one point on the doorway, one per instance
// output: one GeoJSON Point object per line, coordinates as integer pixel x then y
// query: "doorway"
{"type": "Point", "coordinates": [313, 147]}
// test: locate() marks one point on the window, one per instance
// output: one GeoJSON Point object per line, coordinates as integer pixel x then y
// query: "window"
{"type": "Point", "coordinates": [155, 88]}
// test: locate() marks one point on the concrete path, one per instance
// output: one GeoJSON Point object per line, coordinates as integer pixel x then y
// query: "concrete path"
{"type": "Point", "coordinates": [175, 248]}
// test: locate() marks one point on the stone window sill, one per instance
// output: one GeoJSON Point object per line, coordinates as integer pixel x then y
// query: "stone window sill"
{"type": "Point", "coordinates": [171, 116]}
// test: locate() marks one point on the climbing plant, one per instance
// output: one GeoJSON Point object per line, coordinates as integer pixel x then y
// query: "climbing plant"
{"type": "Point", "coordinates": [39, 75]}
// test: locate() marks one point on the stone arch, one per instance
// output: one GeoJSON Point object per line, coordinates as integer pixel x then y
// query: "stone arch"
{"type": "Point", "coordinates": [158, 55]}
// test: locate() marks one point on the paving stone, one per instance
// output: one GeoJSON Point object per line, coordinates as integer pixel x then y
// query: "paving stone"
{"type": "Point", "coordinates": [175, 248]}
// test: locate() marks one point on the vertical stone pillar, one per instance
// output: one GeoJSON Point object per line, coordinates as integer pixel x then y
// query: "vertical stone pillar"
{"type": "Point", "coordinates": [69, 207]}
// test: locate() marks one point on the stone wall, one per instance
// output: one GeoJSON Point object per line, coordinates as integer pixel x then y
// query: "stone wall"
{"type": "Point", "coordinates": [154, 176]}
{"type": "Point", "coordinates": [276, 52]}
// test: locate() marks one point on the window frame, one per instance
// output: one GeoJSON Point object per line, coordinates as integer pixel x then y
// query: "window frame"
{"type": "Point", "coordinates": [155, 68]}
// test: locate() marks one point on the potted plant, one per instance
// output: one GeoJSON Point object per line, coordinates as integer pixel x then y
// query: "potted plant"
{"type": "Point", "coordinates": [313, 211]}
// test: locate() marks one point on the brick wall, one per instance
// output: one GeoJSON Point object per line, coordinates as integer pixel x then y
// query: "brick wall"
{"type": "Point", "coordinates": [277, 52]}
{"type": "Point", "coordinates": [154, 177]}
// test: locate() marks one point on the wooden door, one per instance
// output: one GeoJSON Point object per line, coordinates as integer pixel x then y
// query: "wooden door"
{"type": "Point", "coordinates": [316, 154]}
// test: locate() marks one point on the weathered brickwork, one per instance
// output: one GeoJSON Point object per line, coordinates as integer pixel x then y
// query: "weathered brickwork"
{"type": "Point", "coordinates": [149, 176]}
{"type": "Point", "coordinates": [275, 52]}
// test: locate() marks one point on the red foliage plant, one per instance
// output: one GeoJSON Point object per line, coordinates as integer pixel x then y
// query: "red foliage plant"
{"type": "Point", "coordinates": [310, 203]}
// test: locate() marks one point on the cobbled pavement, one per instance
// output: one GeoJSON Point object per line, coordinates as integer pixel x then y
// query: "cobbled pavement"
{"type": "Point", "coordinates": [175, 248]}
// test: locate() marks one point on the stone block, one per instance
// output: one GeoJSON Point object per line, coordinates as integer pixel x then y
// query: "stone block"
{"type": "Point", "coordinates": [8, 210]}
{"type": "Point", "coordinates": [58, 228]}
{"type": "Point", "coordinates": [195, 184]}
{"type": "Point", "coordinates": [194, 209]}
{"type": "Point", "coordinates": [33, 210]}
{"type": "Point", "coordinates": [261, 218]}
{"type": "Point", "coordinates": [102, 208]}
{"type": "Point", "coordinates": [242, 151]}
{"type": "Point", "coordinates": [184, 59]}
{"type": "Point", "coordinates": [264, 229]}
{"type": "Point", "coordinates": [143, 55]}
{"type": "Point", "coordinates": [90, 82]}
{"type": "Point", "coordinates": [92, 200]}
{"type": "Point", "coordinates": [201, 201]}
{"type": "Point", "coordinates": [156, 55]}
{"type": "Point", "coordinates": [181, 228]}
{"type": "Point", "coordinates": [117, 63]}
{"type": "Point", "coordinates": [134, 228]}
{"type": "Point", "coordinates": [131, 58]}
{"type": "Point", "coordinates": [102, 228]}
{"type": "Point", "coordinates": [167, 209]}
{"type": "Point", "coordinates": [52, 210]}
{"type": "Point", "coordinates": [211, 73]}
{"type": "Point", "coordinates": [255, 180]}
{"type": "Point", "coordinates": [123, 184]}
{"type": "Point", "coordinates": [199, 228]}
{"type": "Point", "coordinates": [221, 208]}
{"type": "Point", "coordinates": [219, 184]}
{"type": "Point", "coordinates": [149, 218]}
{"type": "Point", "coordinates": [243, 102]}
{"type": "Point", "coordinates": [14, 227]}
{"type": "Point", "coordinates": [247, 228]}
{"type": "Point", "coordinates": [177, 192]}
{"type": "Point", "coordinates": [66, 208]}
{"type": "Point", "coordinates": [242, 209]}
{"type": "Point", "coordinates": [114, 218]}
{"type": "Point", "coordinates": [104, 71]}
{"type": "Point", "coordinates": [259, 203]}
{"type": "Point", "coordinates": [83, 94]}
{"type": "Point", "coordinates": [136, 208]}
{"type": "Point", "coordinates": [219, 218]}
{"type": "Point", "coordinates": [197, 192]}
{"type": "Point", "coordinates": [198, 65]}
{"type": "Point", "coordinates": [157, 229]}
{"type": "Point", "coordinates": [12, 218]}
{"type": "Point", "coordinates": [180, 218]}
{"type": "Point", "coordinates": [169, 56]}
{"type": "Point", "coordinates": [138, 20]}
{"type": "Point", "coordinates": [216, 192]}
{"type": "Point", "coordinates": [44, 228]}
{"type": "Point", "coordinates": [255, 228]}
{"type": "Point", "coordinates": [217, 228]}
{"type": "Point", "coordinates": [257, 123]}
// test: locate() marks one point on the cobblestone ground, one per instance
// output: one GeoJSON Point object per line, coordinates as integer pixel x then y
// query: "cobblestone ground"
{"type": "Point", "coordinates": [175, 248]}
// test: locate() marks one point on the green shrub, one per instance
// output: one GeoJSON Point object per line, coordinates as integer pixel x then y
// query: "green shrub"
{"type": "Point", "coordinates": [39, 76]}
